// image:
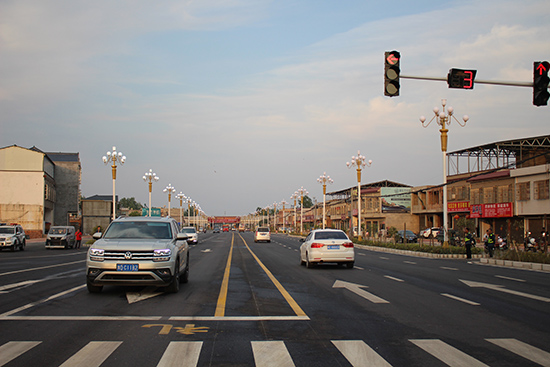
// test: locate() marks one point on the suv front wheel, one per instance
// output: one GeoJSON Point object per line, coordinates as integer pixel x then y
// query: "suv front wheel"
{"type": "Point", "coordinates": [174, 286]}
{"type": "Point", "coordinates": [93, 288]}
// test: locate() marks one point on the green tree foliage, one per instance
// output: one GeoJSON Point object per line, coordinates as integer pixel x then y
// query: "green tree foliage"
{"type": "Point", "coordinates": [130, 203]}
{"type": "Point", "coordinates": [308, 203]}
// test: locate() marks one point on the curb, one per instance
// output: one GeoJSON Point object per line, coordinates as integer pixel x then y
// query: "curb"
{"type": "Point", "coordinates": [417, 253]}
{"type": "Point", "coordinates": [516, 264]}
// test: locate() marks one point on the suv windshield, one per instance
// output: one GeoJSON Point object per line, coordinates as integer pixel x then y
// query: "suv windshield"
{"type": "Point", "coordinates": [188, 230]}
{"type": "Point", "coordinates": [58, 231]}
{"type": "Point", "coordinates": [139, 229]}
{"type": "Point", "coordinates": [8, 230]}
{"type": "Point", "coordinates": [330, 235]}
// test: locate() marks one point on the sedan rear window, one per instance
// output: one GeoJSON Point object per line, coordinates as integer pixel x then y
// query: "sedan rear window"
{"type": "Point", "coordinates": [139, 230]}
{"type": "Point", "coordinates": [330, 235]}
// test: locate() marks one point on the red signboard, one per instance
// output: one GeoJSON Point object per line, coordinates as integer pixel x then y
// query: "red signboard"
{"type": "Point", "coordinates": [458, 206]}
{"type": "Point", "coordinates": [500, 210]}
{"type": "Point", "coordinates": [224, 219]}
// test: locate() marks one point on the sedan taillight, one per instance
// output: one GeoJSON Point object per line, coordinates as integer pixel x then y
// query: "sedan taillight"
{"type": "Point", "coordinates": [316, 245]}
{"type": "Point", "coordinates": [348, 244]}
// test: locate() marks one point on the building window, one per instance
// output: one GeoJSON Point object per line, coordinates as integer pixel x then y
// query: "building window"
{"type": "Point", "coordinates": [542, 190]}
{"type": "Point", "coordinates": [524, 191]}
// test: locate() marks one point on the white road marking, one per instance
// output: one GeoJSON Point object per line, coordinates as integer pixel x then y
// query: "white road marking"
{"type": "Point", "coordinates": [153, 318]}
{"type": "Point", "coordinates": [42, 267]}
{"type": "Point", "coordinates": [146, 293]}
{"type": "Point", "coordinates": [446, 353]}
{"type": "Point", "coordinates": [447, 268]}
{"type": "Point", "coordinates": [501, 288]}
{"type": "Point", "coordinates": [357, 289]}
{"type": "Point", "coordinates": [362, 254]}
{"type": "Point", "coordinates": [12, 350]}
{"type": "Point", "coordinates": [271, 354]}
{"type": "Point", "coordinates": [358, 267]}
{"type": "Point", "coordinates": [181, 354]}
{"type": "Point", "coordinates": [460, 299]}
{"type": "Point", "coordinates": [508, 278]}
{"type": "Point", "coordinates": [392, 278]}
{"type": "Point", "coordinates": [359, 354]}
{"type": "Point", "coordinates": [523, 349]}
{"type": "Point", "coordinates": [93, 354]}
{"type": "Point", "coordinates": [409, 262]}
{"type": "Point", "coordinates": [206, 250]}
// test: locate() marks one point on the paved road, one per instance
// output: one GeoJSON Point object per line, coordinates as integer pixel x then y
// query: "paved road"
{"type": "Point", "coordinates": [252, 304]}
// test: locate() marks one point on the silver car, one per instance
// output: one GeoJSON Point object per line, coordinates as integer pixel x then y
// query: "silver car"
{"type": "Point", "coordinates": [262, 234]}
{"type": "Point", "coordinates": [191, 232]}
{"type": "Point", "coordinates": [327, 246]}
{"type": "Point", "coordinates": [12, 237]}
{"type": "Point", "coordinates": [61, 237]}
{"type": "Point", "coordinates": [139, 251]}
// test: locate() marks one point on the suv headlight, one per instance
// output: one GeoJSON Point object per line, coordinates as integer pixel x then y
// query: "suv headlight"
{"type": "Point", "coordinates": [96, 254]}
{"type": "Point", "coordinates": [162, 254]}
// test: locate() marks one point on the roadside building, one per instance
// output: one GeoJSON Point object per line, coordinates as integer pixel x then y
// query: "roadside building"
{"type": "Point", "coordinates": [97, 211]}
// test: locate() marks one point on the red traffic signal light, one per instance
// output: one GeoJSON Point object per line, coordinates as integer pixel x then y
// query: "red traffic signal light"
{"type": "Point", "coordinates": [391, 73]}
{"type": "Point", "coordinates": [540, 83]}
{"type": "Point", "coordinates": [463, 79]}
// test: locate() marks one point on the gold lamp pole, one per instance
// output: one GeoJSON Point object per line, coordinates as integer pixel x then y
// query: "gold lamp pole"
{"type": "Point", "coordinates": [301, 191]}
{"type": "Point", "coordinates": [150, 176]}
{"type": "Point", "coordinates": [443, 119]}
{"type": "Point", "coordinates": [169, 189]}
{"type": "Point", "coordinates": [360, 162]}
{"type": "Point", "coordinates": [324, 180]}
{"type": "Point", "coordinates": [294, 196]}
{"type": "Point", "coordinates": [114, 157]}
{"type": "Point", "coordinates": [181, 197]}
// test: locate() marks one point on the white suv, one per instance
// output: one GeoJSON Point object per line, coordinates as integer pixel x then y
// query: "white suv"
{"type": "Point", "coordinates": [191, 232]}
{"type": "Point", "coordinates": [262, 234]}
{"type": "Point", "coordinates": [138, 251]}
{"type": "Point", "coordinates": [12, 237]}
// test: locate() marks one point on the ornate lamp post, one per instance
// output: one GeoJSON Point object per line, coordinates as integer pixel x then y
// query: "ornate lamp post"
{"type": "Point", "coordinates": [169, 189]}
{"type": "Point", "coordinates": [181, 197]}
{"type": "Point", "coordinates": [324, 180]}
{"type": "Point", "coordinates": [114, 157]}
{"type": "Point", "coordinates": [189, 201]}
{"type": "Point", "coordinates": [443, 119]}
{"type": "Point", "coordinates": [301, 191]}
{"type": "Point", "coordinates": [294, 196]}
{"type": "Point", "coordinates": [150, 176]}
{"type": "Point", "coordinates": [283, 203]}
{"type": "Point", "coordinates": [360, 162]}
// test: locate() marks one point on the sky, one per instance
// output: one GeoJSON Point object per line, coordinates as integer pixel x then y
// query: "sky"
{"type": "Point", "coordinates": [239, 103]}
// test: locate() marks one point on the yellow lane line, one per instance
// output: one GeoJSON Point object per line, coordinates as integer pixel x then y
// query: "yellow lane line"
{"type": "Point", "coordinates": [292, 303]}
{"type": "Point", "coordinates": [222, 298]}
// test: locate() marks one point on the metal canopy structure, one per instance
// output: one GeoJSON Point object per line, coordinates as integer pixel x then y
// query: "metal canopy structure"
{"type": "Point", "coordinates": [346, 193]}
{"type": "Point", "coordinates": [516, 153]}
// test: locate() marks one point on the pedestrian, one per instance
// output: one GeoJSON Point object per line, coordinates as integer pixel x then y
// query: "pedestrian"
{"type": "Point", "coordinates": [490, 242]}
{"type": "Point", "coordinates": [78, 236]}
{"type": "Point", "coordinates": [469, 241]}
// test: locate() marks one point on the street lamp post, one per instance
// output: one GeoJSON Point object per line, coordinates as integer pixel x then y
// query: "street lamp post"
{"type": "Point", "coordinates": [189, 201]}
{"type": "Point", "coordinates": [114, 157]}
{"type": "Point", "coordinates": [360, 162]}
{"type": "Point", "coordinates": [150, 176]}
{"type": "Point", "coordinates": [324, 180]}
{"type": "Point", "coordinates": [302, 192]}
{"type": "Point", "coordinates": [283, 203]}
{"type": "Point", "coordinates": [169, 189]}
{"type": "Point", "coordinates": [294, 196]}
{"type": "Point", "coordinates": [443, 119]}
{"type": "Point", "coordinates": [181, 197]}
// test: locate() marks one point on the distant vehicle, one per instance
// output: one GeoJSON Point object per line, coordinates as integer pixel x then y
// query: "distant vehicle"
{"type": "Point", "coordinates": [241, 228]}
{"type": "Point", "coordinates": [61, 237]}
{"type": "Point", "coordinates": [406, 236]}
{"type": "Point", "coordinates": [225, 227]}
{"type": "Point", "coordinates": [138, 251]}
{"type": "Point", "coordinates": [262, 234]}
{"type": "Point", "coordinates": [12, 237]}
{"type": "Point", "coordinates": [216, 229]}
{"type": "Point", "coordinates": [193, 236]}
{"type": "Point", "coordinates": [327, 246]}
{"type": "Point", "coordinates": [431, 232]}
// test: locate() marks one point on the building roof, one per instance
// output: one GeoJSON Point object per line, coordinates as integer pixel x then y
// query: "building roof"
{"type": "Point", "coordinates": [102, 197]}
{"type": "Point", "coordinates": [373, 185]}
{"type": "Point", "coordinates": [63, 157]}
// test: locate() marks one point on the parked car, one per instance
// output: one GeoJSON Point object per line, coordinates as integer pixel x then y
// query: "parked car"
{"type": "Point", "coordinates": [139, 251]}
{"type": "Point", "coordinates": [61, 237]}
{"type": "Point", "coordinates": [406, 236]}
{"type": "Point", "coordinates": [431, 232]}
{"type": "Point", "coordinates": [193, 236]}
{"type": "Point", "coordinates": [12, 237]}
{"type": "Point", "coordinates": [327, 246]}
{"type": "Point", "coordinates": [262, 234]}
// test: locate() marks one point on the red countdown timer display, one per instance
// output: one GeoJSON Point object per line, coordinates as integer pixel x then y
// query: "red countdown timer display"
{"type": "Point", "coordinates": [459, 78]}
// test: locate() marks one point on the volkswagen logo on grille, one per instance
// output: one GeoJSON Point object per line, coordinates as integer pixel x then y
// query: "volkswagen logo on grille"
{"type": "Point", "coordinates": [128, 255]}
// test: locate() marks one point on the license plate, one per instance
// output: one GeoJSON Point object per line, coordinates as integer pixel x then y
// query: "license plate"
{"type": "Point", "coordinates": [127, 267]}
{"type": "Point", "coordinates": [333, 247]}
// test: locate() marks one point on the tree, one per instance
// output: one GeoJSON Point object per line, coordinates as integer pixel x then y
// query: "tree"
{"type": "Point", "coordinates": [308, 203]}
{"type": "Point", "coordinates": [130, 203]}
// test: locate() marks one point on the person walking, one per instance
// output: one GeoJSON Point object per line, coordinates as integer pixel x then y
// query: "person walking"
{"type": "Point", "coordinates": [490, 242]}
{"type": "Point", "coordinates": [469, 241]}
{"type": "Point", "coordinates": [78, 236]}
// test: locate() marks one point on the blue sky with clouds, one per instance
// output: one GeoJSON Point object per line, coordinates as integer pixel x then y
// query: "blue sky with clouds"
{"type": "Point", "coordinates": [238, 103]}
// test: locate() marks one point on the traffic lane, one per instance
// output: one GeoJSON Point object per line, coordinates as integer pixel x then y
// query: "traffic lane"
{"type": "Point", "coordinates": [493, 288]}
{"type": "Point", "coordinates": [413, 311]}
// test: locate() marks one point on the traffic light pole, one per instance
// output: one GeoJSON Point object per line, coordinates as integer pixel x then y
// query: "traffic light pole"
{"type": "Point", "coordinates": [493, 82]}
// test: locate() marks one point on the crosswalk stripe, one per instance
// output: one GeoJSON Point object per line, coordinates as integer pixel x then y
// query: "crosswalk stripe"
{"type": "Point", "coordinates": [523, 349]}
{"type": "Point", "coordinates": [181, 354]}
{"type": "Point", "coordinates": [446, 353]}
{"type": "Point", "coordinates": [271, 354]}
{"type": "Point", "coordinates": [93, 354]}
{"type": "Point", "coordinates": [359, 354]}
{"type": "Point", "coordinates": [12, 350]}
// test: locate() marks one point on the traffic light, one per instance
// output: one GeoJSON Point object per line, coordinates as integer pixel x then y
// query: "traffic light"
{"type": "Point", "coordinates": [391, 73]}
{"type": "Point", "coordinates": [540, 83]}
{"type": "Point", "coordinates": [463, 79]}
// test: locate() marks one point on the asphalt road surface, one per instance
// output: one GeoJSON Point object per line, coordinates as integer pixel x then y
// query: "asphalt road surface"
{"type": "Point", "coordinates": [252, 304]}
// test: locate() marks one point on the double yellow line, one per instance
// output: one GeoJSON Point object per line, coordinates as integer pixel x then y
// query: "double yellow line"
{"type": "Point", "coordinates": [222, 298]}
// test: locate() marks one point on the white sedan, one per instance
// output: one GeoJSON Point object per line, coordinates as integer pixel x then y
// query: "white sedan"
{"type": "Point", "coordinates": [327, 246]}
